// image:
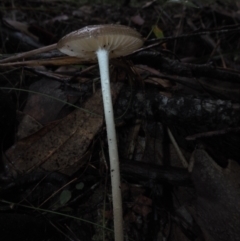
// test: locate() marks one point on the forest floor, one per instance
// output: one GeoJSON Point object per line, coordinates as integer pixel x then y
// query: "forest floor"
{"type": "Point", "coordinates": [177, 111]}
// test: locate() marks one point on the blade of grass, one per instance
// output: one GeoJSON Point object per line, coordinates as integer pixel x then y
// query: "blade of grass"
{"type": "Point", "coordinates": [49, 96]}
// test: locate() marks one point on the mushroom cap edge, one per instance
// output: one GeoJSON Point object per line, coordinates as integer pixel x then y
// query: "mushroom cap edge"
{"type": "Point", "coordinates": [119, 40]}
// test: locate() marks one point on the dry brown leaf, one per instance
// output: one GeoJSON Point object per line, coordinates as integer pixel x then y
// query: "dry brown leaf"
{"type": "Point", "coordinates": [148, 4]}
{"type": "Point", "coordinates": [58, 18]}
{"type": "Point", "coordinates": [27, 125]}
{"type": "Point", "coordinates": [142, 205]}
{"type": "Point", "coordinates": [43, 108]}
{"type": "Point", "coordinates": [137, 19]}
{"type": "Point", "coordinates": [60, 146]}
{"type": "Point", "coordinates": [216, 209]}
{"type": "Point", "coordinates": [22, 27]}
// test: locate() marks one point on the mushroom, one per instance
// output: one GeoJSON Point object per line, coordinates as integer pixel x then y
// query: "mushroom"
{"type": "Point", "coordinates": [103, 42]}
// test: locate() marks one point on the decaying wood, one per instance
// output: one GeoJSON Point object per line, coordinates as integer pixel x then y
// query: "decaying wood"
{"type": "Point", "coordinates": [187, 116]}
{"type": "Point", "coordinates": [215, 113]}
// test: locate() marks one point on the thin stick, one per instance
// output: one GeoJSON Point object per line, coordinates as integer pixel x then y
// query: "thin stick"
{"type": "Point", "coordinates": [179, 152]}
{"type": "Point", "coordinates": [65, 60]}
{"type": "Point", "coordinates": [29, 53]}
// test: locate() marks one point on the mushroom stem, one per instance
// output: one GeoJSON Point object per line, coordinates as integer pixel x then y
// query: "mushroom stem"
{"type": "Point", "coordinates": [103, 61]}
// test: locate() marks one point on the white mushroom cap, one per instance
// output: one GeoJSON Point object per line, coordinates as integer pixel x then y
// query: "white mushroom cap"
{"type": "Point", "coordinates": [119, 40]}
